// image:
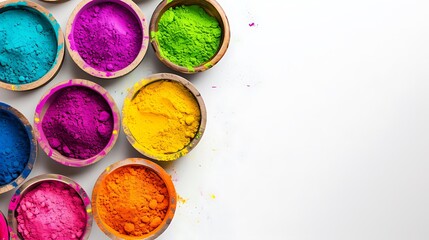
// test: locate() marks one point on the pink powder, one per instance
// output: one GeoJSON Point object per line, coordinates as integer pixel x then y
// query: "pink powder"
{"type": "Point", "coordinates": [4, 232]}
{"type": "Point", "coordinates": [52, 210]}
{"type": "Point", "coordinates": [78, 123]}
{"type": "Point", "coordinates": [107, 36]}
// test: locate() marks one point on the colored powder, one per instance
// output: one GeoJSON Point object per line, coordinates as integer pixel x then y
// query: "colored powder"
{"type": "Point", "coordinates": [14, 147]}
{"type": "Point", "coordinates": [4, 231]}
{"type": "Point", "coordinates": [52, 210]}
{"type": "Point", "coordinates": [107, 36]}
{"type": "Point", "coordinates": [163, 117]}
{"type": "Point", "coordinates": [188, 36]}
{"type": "Point", "coordinates": [133, 200]}
{"type": "Point", "coordinates": [28, 46]}
{"type": "Point", "coordinates": [78, 123]}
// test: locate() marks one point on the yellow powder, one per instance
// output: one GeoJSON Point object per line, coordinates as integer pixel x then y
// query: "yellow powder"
{"type": "Point", "coordinates": [163, 118]}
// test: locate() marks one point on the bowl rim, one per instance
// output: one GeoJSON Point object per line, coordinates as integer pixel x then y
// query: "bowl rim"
{"type": "Point", "coordinates": [226, 35]}
{"type": "Point", "coordinates": [35, 181]}
{"type": "Point", "coordinates": [113, 234]}
{"type": "Point", "coordinates": [78, 60]}
{"type": "Point", "coordinates": [59, 58]}
{"type": "Point", "coordinates": [33, 147]}
{"type": "Point", "coordinates": [133, 91]}
{"type": "Point", "coordinates": [39, 114]}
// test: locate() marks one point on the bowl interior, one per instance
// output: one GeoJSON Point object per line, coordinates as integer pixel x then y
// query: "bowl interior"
{"type": "Point", "coordinates": [73, 49]}
{"type": "Point", "coordinates": [36, 181]}
{"type": "Point", "coordinates": [198, 98]}
{"type": "Point", "coordinates": [161, 173]}
{"type": "Point", "coordinates": [58, 34]}
{"type": "Point", "coordinates": [49, 98]}
{"type": "Point", "coordinates": [213, 9]}
{"type": "Point", "coordinates": [33, 147]}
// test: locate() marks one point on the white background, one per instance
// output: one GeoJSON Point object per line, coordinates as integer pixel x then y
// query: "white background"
{"type": "Point", "coordinates": [318, 124]}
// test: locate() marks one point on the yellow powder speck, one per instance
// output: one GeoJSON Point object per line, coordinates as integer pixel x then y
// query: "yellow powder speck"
{"type": "Point", "coordinates": [213, 196]}
{"type": "Point", "coordinates": [181, 200]}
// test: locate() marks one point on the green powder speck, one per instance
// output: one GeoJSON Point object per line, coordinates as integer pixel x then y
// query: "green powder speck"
{"type": "Point", "coordinates": [188, 36]}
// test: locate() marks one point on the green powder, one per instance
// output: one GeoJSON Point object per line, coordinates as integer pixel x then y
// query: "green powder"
{"type": "Point", "coordinates": [188, 36]}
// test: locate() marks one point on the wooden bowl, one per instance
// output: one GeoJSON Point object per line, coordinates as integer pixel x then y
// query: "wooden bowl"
{"type": "Point", "coordinates": [72, 49]}
{"type": "Point", "coordinates": [24, 4]}
{"type": "Point", "coordinates": [33, 148]}
{"type": "Point", "coordinates": [44, 104]}
{"type": "Point", "coordinates": [113, 234]}
{"type": "Point", "coordinates": [36, 181]}
{"type": "Point", "coordinates": [212, 8]}
{"type": "Point", "coordinates": [191, 88]}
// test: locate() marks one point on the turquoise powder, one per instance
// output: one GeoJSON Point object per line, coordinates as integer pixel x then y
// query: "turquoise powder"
{"type": "Point", "coordinates": [28, 45]}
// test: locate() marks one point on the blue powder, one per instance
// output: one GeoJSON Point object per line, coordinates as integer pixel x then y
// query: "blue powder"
{"type": "Point", "coordinates": [28, 45]}
{"type": "Point", "coordinates": [14, 147]}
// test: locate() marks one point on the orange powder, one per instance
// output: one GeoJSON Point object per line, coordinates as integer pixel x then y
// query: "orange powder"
{"type": "Point", "coordinates": [133, 200]}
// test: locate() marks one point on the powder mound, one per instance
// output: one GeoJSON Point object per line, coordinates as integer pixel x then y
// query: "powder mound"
{"type": "Point", "coordinates": [14, 148]}
{"type": "Point", "coordinates": [164, 117]}
{"type": "Point", "coordinates": [52, 210]}
{"type": "Point", "coordinates": [28, 46]}
{"type": "Point", "coordinates": [107, 36]}
{"type": "Point", "coordinates": [78, 123]}
{"type": "Point", "coordinates": [133, 200]}
{"type": "Point", "coordinates": [4, 232]}
{"type": "Point", "coordinates": [188, 36]}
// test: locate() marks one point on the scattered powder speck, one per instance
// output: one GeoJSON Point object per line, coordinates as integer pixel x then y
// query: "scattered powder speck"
{"type": "Point", "coordinates": [78, 123]}
{"type": "Point", "coordinates": [181, 199]}
{"type": "Point", "coordinates": [52, 210]}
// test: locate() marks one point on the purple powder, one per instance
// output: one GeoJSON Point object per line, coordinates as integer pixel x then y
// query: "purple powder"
{"type": "Point", "coordinates": [78, 123]}
{"type": "Point", "coordinates": [107, 36]}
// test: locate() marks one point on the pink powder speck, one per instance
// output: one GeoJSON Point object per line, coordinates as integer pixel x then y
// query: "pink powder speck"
{"type": "Point", "coordinates": [52, 210]}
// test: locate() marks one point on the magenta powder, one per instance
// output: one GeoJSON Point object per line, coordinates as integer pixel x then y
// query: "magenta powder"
{"type": "Point", "coordinates": [4, 234]}
{"type": "Point", "coordinates": [107, 36]}
{"type": "Point", "coordinates": [78, 123]}
{"type": "Point", "coordinates": [52, 210]}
